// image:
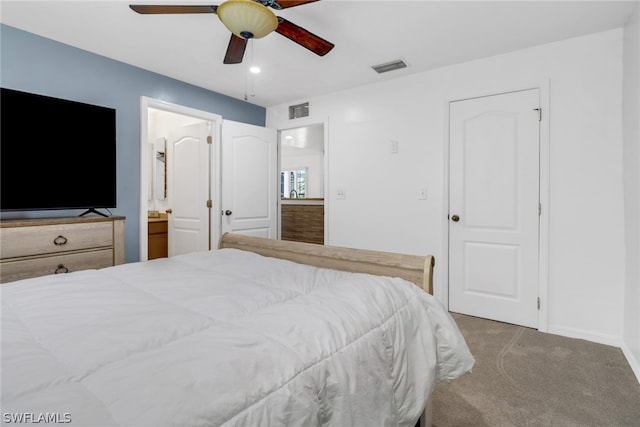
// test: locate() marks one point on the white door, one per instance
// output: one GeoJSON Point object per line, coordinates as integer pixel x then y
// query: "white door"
{"type": "Point", "coordinates": [494, 207]}
{"type": "Point", "coordinates": [249, 180]}
{"type": "Point", "coordinates": [188, 170]}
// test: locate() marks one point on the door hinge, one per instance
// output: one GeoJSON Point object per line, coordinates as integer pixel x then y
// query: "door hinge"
{"type": "Point", "coordinates": [538, 303]}
{"type": "Point", "coordinates": [539, 209]}
{"type": "Point", "coordinates": [209, 203]}
{"type": "Point", "coordinates": [539, 110]}
{"type": "Point", "coordinates": [209, 140]}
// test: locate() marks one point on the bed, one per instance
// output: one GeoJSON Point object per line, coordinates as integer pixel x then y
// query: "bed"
{"type": "Point", "coordinates": [258, 332]}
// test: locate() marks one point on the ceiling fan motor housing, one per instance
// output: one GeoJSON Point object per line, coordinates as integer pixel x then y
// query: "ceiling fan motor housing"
{"type": "Point", "coordinates": [247, 18]}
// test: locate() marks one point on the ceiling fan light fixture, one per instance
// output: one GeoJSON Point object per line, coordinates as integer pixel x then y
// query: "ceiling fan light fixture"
{"type": "Point", "coordinates": [247, 19]}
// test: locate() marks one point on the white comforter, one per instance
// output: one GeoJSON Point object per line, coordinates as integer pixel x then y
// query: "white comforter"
{"type": "Point", "coordinates": [223, 338]}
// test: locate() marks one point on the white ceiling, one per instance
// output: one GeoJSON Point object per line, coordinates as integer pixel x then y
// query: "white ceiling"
{"type": "Point", "coordinates": [425, 34]}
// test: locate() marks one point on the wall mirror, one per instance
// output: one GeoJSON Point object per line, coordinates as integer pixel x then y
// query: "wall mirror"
{"type": "Point", "coordinates": [302, 162]}
{"type": "Point", "coordinates": [160, 169]}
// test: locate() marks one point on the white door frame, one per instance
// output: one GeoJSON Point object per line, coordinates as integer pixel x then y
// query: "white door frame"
{"type": "Point", "coordinates": [145, 104]}
{"type": "Point", "coordinates": [442, 291]}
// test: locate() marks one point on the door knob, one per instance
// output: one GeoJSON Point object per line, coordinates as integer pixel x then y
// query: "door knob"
{"type": "Point", "coordinates": [228, 212]}
{"type": "Point", "coordinates": [455, 218]}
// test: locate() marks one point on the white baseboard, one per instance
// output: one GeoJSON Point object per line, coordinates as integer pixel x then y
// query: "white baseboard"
{"type": "Point", "coordinates": [634, 362]}
{"type": "Point", "coordinates": [612, 340]}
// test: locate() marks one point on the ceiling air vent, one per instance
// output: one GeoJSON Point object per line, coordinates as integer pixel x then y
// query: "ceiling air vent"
{"type": "Point", "coordinates": [390, 66]}
{"type": "Point", "coordinates": [297, 111]}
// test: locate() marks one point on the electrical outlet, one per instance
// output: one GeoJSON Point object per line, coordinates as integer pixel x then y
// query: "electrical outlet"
{"type": "Point", "coordinates": [340, 194]}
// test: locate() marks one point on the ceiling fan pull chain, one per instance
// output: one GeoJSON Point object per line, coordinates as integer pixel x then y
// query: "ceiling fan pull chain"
{"type": "Point", "coordinates": [246, 78]}
{"type": "Point", "coordinates": [246, 69]}
{"type": "Point", "coordinates": [251, 65]}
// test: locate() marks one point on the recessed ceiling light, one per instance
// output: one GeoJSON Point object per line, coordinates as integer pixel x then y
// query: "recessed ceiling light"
{"type": "Point", "coordinates": [254, 69]}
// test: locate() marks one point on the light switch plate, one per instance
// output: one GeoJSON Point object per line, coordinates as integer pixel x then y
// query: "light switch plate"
{"type": "Point", "coordinates": [422, 194]}
{"type": "Point", "coordinates": [393, 145]}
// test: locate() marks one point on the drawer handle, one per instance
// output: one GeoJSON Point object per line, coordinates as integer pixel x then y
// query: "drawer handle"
{"type": "Point", "coordinates": [61, 269]}
{"type": "Point", "coordinates": [60, 240]}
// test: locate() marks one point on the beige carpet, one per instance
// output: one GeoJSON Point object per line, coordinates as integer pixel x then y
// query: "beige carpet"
{"type": "Point", "coordinates": [523, 377]}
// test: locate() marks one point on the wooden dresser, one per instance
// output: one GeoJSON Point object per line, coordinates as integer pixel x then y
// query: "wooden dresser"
{"type": "Point", "coordinates": [37, 247]}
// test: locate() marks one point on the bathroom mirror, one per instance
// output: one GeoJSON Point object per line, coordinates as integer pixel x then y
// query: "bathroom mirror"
{"type": "Point", "coordinates": [160, 169]}
{"type": "Point", "coordinates": [302, 162]}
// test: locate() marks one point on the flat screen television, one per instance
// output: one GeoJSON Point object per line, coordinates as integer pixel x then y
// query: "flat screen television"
{"type": "Point", "coordinates": [55, 153]}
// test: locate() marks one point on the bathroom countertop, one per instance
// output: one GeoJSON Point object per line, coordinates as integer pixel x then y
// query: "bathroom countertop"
{"type": "Point", "coordinates": [304, 201]}
{"type": "Point", "coordinates": [162, 217]}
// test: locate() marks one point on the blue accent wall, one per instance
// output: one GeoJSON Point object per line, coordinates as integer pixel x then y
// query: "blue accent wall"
{"type": "Point", "coordinates": [31, 63]}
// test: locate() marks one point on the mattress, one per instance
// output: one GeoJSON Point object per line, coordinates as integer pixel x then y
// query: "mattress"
{"type": "Point", "coordinates": [223, 338]}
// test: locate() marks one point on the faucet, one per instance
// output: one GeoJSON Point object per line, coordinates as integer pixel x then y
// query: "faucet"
{"type": "Point", "coordinates": [293, 194]}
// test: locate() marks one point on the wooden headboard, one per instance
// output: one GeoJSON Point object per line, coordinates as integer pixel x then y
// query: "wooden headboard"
{"type": "Point", "coordinates": [415, 269]}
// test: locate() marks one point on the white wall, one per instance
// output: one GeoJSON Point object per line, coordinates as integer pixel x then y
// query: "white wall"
{"type": "Point", "coordinates": [631, 165]}
{"type": "Point", "coordinates": [581, 78]}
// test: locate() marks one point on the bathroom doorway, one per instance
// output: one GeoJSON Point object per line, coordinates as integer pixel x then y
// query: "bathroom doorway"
{"type": "Point", "coordinates": [162, 231]}
{"type": "Point", "coordinates": [302, 184]}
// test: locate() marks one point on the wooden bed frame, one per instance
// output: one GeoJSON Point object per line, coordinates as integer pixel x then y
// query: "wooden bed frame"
{"type": "Point", "coordinates": [415, 269]}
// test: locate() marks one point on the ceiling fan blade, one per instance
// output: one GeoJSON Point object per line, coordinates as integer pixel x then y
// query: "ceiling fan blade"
{"type": "Point", "coordinates": [304, 38]}
{"type": "Point", "coordinates": [235, 50]}
{"type": "Point", "coordinates": [146, 9]}
{"type": "Point", "coordinates": [291, 3]}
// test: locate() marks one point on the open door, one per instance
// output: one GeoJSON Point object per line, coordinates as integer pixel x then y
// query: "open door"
{"type": "Point", "coordinates": [188, 168]}
{"type": "Point", "coordinates": [249, 180]}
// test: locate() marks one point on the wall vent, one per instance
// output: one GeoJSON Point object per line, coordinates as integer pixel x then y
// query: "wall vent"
{"type": "Point", "coordinates": [297, 111]}
{"type": "Point", "coordinates": [390, 66]}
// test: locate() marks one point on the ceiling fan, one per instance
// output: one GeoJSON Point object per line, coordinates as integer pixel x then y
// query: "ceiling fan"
{"type": "Point", "coordinates": [248, 19]}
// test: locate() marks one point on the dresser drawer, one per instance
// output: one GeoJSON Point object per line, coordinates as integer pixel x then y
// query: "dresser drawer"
{"type": "Point", "coordinates": [50, 239]}
{"type": "Point", "coordinates": [34, 267]}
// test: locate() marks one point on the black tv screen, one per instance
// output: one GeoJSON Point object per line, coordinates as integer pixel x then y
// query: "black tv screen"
{"type": "Point", "coordinates": [55, 153]}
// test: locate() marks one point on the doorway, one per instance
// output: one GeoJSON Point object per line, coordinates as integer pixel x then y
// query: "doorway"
{"type": "Point", "coordinates": [301, 184]}
{"type": "Point", "coordinates": [162, 123]}
{"type": "Point", "coordinates": [494, 207]}
{"type": "Point", "coordinates": [240, 180]}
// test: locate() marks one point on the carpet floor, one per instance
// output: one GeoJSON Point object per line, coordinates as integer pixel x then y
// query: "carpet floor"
{"type": "Point", "coordinates": [523, 377]}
